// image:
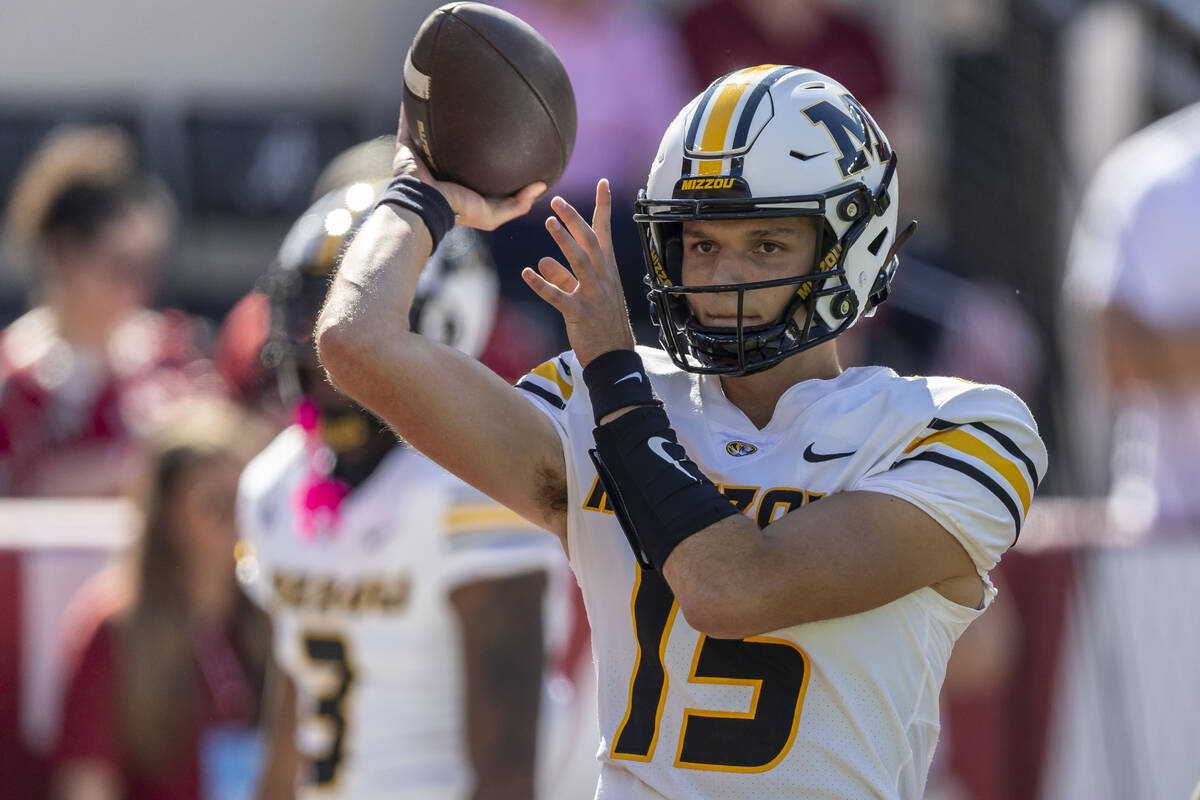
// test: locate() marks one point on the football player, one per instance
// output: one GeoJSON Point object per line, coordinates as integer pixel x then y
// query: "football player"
{"type": "Point", "coordinates": [412, 615]}
{"type": "Point", "coordinates": [776, 554]}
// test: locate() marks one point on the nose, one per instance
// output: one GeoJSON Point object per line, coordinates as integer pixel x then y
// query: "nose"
{"type": "Point", "coordinates": [728, 266]}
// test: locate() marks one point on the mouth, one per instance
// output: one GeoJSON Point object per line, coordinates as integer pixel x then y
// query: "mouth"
{"type": "Point", "coordinates": [729, 321]}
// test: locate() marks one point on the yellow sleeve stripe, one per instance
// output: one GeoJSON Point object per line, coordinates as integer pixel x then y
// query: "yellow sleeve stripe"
{"type": "Point", "coordinates": [483, 517]}
{"type": "Point", "coordinates": [549, 371]}
{"type": "Point", "coordinates": [964, 442]}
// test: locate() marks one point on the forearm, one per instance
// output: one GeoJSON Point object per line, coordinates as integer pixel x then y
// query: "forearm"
{"type": "Point", "coordinates": [370, 298]}
{"type": "Point", "coordinates": [283, 761]}
{"type": "Point", "coordinates": [502, 653]}
{"type": "Point", "coordinates": [851, 552]}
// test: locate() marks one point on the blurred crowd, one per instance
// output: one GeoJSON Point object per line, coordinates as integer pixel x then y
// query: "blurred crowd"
{"type": "Point", "coordinates": [1049, 260]}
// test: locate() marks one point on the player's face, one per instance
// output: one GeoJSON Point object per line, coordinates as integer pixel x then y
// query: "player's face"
{"type": "Point", "coordinates": [719, 252]}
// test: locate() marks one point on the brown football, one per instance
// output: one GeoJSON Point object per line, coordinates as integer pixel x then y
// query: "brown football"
{"type": "Point", "coordinates": [487, 100]}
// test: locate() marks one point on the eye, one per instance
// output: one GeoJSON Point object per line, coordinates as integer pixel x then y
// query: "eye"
{"type": "Point", "coordinates": [770, 248]}
{"type": "Point", "coordinates": [705, 247]}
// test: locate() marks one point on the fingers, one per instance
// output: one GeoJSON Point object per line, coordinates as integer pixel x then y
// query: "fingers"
{"type": "Point", "coordinates": [583, 235]}
{"type": "Point", "coordinates": [602, 218]}
{"type": "Point", "coordinates": [475, 211]}
{"type": "Point", "coordinates": [558, 275]}
{"type": "Point", "coordinates": [517, 205]}
{"type": "Point", "coordinates": [402, 135]}
{"type": "Point", "coordinates": [534, 190]}
{"type": "Point", "coordinates": [577, 257]}
{"type": "Point", "coordinates": [544, 288]}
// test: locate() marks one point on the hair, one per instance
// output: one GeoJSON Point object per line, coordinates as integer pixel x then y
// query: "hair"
{"type": "Point", "coordinates": [78, 180]}
{"type": "Point", "coordinates": [157, 686]}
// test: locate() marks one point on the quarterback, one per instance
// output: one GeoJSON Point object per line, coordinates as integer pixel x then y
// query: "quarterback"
{"type": "Point", "coordinates": [776, 554]}
{"type": "Point", "coordinates": [418, 621]}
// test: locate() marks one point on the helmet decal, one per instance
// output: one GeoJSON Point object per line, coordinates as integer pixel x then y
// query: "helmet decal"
{"type": "Point", "coordinates": [741, 96]}
{"type": "Point", "coordinates": [841, 126]}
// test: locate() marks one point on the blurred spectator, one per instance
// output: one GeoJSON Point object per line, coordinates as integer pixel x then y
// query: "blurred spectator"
{"type": "Point", "coordinates": [603, 44]}
{"type": "Point", "coordinates": [89, 363]}
{"type": "Point", "coordinates": [167, 656]}
{"type": "Point", "coordinates": [724, 35]}
{"type": "Point", "coordinates": [1134, 280]}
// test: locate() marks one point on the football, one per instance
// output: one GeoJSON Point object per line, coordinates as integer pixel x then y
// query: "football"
{"type": "Point", "coordinates": [487, 100]}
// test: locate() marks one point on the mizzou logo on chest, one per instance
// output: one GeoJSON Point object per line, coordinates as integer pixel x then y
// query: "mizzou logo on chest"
{"type": "Point", "coordinates": [738, 449]}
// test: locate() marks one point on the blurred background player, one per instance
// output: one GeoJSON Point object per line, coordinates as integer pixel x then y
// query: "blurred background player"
{"type": "Point", "coordinates": [1133, 279]}
{"type": "Point", "coordinates": [166, 654]}
{"type": "Point", "coordinates": [87, 367]}
{"type": "Point", "coordinates": [426, 629]}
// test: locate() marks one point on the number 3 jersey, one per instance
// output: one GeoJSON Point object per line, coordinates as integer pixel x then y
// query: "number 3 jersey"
{"type": "Point", "coordinates": [840, 708]}
{"type": "Point", "coordinates": [363, 621]}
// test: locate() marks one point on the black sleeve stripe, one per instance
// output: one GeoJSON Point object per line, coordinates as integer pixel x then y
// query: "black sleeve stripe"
{"type": "Point", "coordinates": [971, 472]}
{"type": "Point", "coordinates": [562, 363]}
{"type": "Point", "coordinates": [1011, 446]}
{"type": "Point", "coordinates": [1005, 442]}
{"type": "Point", "coordinates": [548, 396]}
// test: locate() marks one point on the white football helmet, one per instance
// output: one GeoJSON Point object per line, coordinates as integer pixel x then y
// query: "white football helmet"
{"type": "Point", "coordinates": [772, 141]}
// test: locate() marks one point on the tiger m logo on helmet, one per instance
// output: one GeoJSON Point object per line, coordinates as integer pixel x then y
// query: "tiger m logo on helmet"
{"type": "Point", "coordinates": [853, 131]}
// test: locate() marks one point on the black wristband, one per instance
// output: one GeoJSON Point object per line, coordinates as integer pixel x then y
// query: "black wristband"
{"type": "Point", "coordinates": [659, 495]}
{"type": "Point", "coordinates": [423, 200]}
{"type": "Point", "coordinates": [617, 379]}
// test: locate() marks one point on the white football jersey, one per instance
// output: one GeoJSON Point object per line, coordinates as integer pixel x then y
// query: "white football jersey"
{"type": "Point", "coordinates": [364, 624]}
{"type": "Point", "coordinates": [846, 707]}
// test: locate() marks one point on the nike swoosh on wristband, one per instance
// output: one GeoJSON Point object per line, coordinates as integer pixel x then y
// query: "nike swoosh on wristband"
{"type": "Point", "coordinates": [637, 375]}
{"type": "Point", "coordinates": [810, 456]}
{"type": "Point", "coordinates": [657, 446]}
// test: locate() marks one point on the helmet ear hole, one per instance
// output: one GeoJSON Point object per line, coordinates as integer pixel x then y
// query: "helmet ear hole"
{"type": "Point", "coordinates": [877, 242]}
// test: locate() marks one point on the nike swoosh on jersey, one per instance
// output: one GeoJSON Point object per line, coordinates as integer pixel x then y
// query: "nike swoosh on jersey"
{"type": "Point", "coordinates": [657, 446]}
{"type": "Point", "coordinates": [637, 375]}
{"type": "Point", "coordinates": [816, 458]}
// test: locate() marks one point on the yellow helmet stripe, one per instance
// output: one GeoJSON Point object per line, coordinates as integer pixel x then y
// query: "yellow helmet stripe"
{"type": "Point", "coordinates": [966, 443]}
{"type": "Point", "coordinates": [716, 130]}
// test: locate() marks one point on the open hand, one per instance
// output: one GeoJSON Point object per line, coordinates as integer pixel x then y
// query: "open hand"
{"type": "Point", "coordinates": [589, 294]}
{"type": "Point", "coordinates": [471, 209]}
